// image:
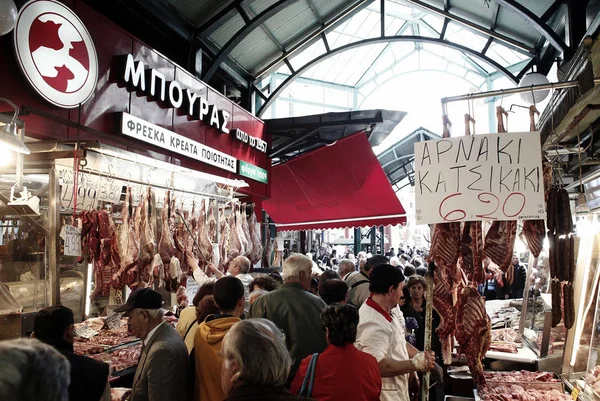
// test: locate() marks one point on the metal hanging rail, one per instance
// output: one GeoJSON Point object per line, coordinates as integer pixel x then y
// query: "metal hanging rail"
{"type": "Point", "coordinates": [511, 91]}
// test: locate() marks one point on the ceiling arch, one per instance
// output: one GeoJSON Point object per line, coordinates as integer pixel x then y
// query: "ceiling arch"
{"type": "Point", "coordinates": [384, 39]}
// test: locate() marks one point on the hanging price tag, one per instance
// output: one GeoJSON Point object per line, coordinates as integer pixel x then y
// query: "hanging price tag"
{"type": "Point", "coordinates": [72, 240]}
{"type": "Point", "coordinates": [85, 332]}
{"type": "Point", "coordinates": [575, 393]}
{"type": "Point", "coordinates": [109, 189]}
{"type": "Point", "coordinates": [113, 321]}
{"type": "Point", "coordinates": [87, 190]}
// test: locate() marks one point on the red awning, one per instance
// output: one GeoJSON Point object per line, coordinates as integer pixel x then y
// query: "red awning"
{"type": "Point", "coordinates": [342, 185]}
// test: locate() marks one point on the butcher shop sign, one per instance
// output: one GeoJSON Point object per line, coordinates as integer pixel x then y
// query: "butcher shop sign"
{"type": "Point", "coordinates": [479, 177]}
{"type": "Point", "coordinates": [165, 139]}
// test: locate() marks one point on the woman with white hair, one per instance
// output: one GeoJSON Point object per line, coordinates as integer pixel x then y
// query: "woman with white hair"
{"type": "Point", "coordinates": [256, 363]}
{"type": "Point", "coordinates": [32, 370]}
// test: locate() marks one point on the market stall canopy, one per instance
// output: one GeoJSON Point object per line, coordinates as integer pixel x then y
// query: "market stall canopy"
{"type": "Point", "coordinates": [294, 136]}
{"type": "Point", "coordinates": [342, 185]}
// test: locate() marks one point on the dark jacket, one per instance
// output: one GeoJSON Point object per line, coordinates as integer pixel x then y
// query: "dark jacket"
{"type": "Point", "coordinates": [519, 282]}
{"type": "Point", "coordinates": [88, 376]}
{"type": "Point", "coordinates": [262, 393]}
{"type": "Point", "coordinates": [298, 314]}
{"type": "Point", "coordinates": [436, 345]}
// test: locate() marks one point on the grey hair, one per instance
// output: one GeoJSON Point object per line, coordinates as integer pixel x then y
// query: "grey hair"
{"type": "Point", "coordinates": [346, 266]}
{"type": "Point", "coordinates": [258, 346]}
{"type": "Point", "coordinates": [154, 313]}
{"type": "Point", "coordinates": [32, 370]}
{"type": "Point", "coordinates": [295, 264]}
{"type": "Point", "coordinates": [243, 263]}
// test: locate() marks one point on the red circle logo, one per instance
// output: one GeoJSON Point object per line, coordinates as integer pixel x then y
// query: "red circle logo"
{"type": "Point", "coordinates": [56, 53]}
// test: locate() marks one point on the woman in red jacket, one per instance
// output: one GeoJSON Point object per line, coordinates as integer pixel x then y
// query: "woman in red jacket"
{"type": "Point", "coordinates": [342, 373]}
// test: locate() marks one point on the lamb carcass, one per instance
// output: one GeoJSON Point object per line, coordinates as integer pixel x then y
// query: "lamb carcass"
{"type": "Point", "coordinates": [129, 246]}
{"type": "Point", "coordinates": [239, 226]}
{"type": "Point", "coordinates": [211, 223]}
{"type": "Point", "coordinates": [445, 245]}
{"type": "Point", "coordinates": [444, 304]}
{"type": "Point", "coordinates": [500, 242]}
{"type": "Point", "coordinates": [104, 264]}
{"type": "Point", "coordinates": [203, 241]}
{"type": "Point", "coordinates": [166, 245]}
{"type": "Point", "coordinates": [471, 251]}
{"type": "Point", "coordinates": [223, 239]}
{"type": "Point", "coordinates": [534, 232]}
{"type": "Point", "coordinates": [257, 248]}
{"type": "Point", "coordinates": [235, 244]}
{"type": "Point", "coordinates": [147, 241]}
{"type": "Point", "coordinates": [246, 231]}
{"type": "Point", "coordinates": [473, 330]}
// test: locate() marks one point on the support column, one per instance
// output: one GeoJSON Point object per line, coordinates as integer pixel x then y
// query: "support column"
{"type": "Point", "coordinates": [491, 103]}
{"type": "Point", "coordinates": [357, 241]}
{"type": "Point", "coordinates": [53, 237]}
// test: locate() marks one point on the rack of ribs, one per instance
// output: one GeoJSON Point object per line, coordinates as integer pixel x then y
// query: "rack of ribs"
{"type": "Point", "coordinates": [473, 330]}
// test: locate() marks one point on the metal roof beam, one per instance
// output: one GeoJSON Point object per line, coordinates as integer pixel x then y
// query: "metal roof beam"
{"type": "Point", "coordinates": [509, 41]}
{"type": "Point", "coordinates": [359, 5]}
{"type": "Point", "coordinates": [536, 22]}
{"type": "Point", "coordinates": [242, 34]}
{"type": "Point", "coordinates": [202, 29]}
{"type": "Point", "coordinates": [372, 41]}
{"type": "Point", "coordinates": [553, 9]}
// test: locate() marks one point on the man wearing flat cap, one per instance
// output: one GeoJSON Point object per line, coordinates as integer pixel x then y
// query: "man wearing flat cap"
{"type": "Point", "coordinates": [163, 369]}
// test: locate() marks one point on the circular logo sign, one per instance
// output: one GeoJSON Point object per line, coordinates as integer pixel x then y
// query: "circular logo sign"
{"type": "Point", "coordinates": [56, 53]}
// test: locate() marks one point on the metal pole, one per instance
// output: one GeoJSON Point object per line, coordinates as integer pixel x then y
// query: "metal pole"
{"type": "Point", "coordinates": [512, 91]}
{"type": "Point", "coordinates": [53, 236]}
{"type": "Point", "coordinates": [428, 328]}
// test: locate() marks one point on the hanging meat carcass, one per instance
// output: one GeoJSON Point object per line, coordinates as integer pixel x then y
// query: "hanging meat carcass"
{"type": "Point", "coordinates": [107, 262]}
{"type": "Point", "coordinates": [235, 244]}
{"type": "Point", "coordinates": [499, 243]}
{"type": "Point", "coordinates": [128, 245]}
{"type": "Point", "coordinates": [239, 227]}
{"type": "Point", "coordinates": [223, 239]}
{"type": "Point", "coordinates": [471, 251]}
{"type": "Point", "coordinates": [257, 248]}
{"type": "Point", "coordinates": [246, 231]}
{"type": "Point", "coordinates": [444, 305]}
{"type": "Point", "coordinates": [147, 241]}
{"type": "Point", "coordinates": [473, 330]}
{"type": "Point", "coordinates": [203, 241]}
{"type": "Point", "coordinates": [211, 223]}
{"type": "Point", "coordinates": [166, 245]}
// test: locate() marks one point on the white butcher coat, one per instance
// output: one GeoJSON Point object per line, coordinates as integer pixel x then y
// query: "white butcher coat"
{"type": "Point", "coordinates": [383, 335]}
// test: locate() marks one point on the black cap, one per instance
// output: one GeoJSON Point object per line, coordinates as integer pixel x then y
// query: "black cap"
{"type": "Point", "coordinates": [141, 298]}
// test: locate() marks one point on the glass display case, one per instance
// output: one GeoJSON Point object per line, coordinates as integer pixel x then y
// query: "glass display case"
{"type": "Point", "coordinates": [24, 233]}
{"type": "Point", "coordinates": [583, 340]}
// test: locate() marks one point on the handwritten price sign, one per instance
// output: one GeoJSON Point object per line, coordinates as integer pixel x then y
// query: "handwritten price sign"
{"type": "Point", "coordinates": [481, 177]}
{"type": "Point", "coordinates": [72, 240]}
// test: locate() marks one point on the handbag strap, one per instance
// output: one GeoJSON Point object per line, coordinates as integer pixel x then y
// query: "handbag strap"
{"type": "Point", "coordinates": [308, 382]}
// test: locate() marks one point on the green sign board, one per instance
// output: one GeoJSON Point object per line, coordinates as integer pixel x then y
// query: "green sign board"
{"type": "Point", "coordinates": [253, 172]}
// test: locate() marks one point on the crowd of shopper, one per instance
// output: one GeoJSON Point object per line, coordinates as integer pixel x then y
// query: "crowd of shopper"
{"type": "Point", "coordinates": [290, 343]}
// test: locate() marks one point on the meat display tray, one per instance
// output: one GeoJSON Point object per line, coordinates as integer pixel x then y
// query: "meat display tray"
{"type": "Point", "coordinates": [557, 385]}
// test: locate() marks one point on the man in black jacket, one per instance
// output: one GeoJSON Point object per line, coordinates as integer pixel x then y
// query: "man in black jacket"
{"type": "Point", "coordinates": [89, 378]}
{"type": "Point", "coordinates": [518, 285]}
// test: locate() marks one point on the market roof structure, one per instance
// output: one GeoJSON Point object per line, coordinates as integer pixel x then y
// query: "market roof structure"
{"type": "Point", "coordinates": [243, 41]}
{"type": "Point", "coordinates": [398, 160]}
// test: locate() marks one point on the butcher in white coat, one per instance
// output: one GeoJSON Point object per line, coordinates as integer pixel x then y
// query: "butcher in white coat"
{"type": "Point", "coordinates": [381, 333]}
